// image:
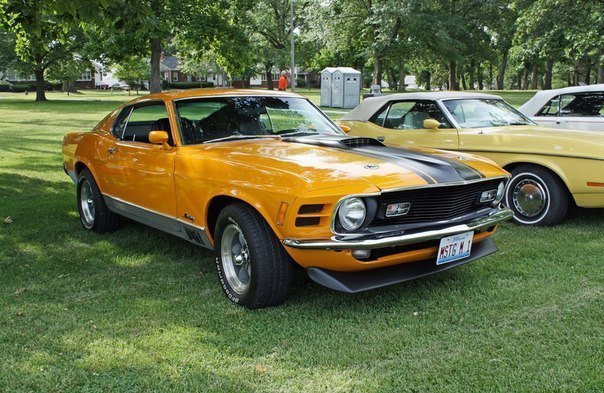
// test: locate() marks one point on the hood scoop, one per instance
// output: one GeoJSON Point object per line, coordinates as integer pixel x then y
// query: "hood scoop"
{"type": "Point", "coordinates": [335, 141]}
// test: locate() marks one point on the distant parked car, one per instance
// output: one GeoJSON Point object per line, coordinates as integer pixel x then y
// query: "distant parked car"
{"type": "Point", "coordinates": [578, 108]}
{"type": "Point", "coordinates": [551, 169]}
{"type": "Point", "coordinates": [120, 86]}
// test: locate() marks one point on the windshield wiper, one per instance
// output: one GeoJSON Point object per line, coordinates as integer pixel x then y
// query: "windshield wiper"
{"type": "Point", "coordinates": [240, 137]}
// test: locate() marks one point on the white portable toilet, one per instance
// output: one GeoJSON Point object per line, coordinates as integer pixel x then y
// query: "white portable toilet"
{"type": "Point", "coordinates": [351, 86]}
{"type": "Point", "coordinates": [326, 76]}
{"type": "Point", "coordinates": [337, 88]}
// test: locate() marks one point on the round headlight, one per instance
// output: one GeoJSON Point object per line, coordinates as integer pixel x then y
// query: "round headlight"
{"type": "Point", "coordinates": [352, 213]}
{"type": "Point", "coordinates": [500, 192]}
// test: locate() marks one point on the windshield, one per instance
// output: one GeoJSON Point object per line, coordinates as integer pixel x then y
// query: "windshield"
{"type": "Point", "coordinates": [476, 113]}
{"type": "Point", "coordinates": [226, 118]}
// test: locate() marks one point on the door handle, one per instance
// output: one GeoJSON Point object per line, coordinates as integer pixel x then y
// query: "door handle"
{"type": "Point", "coordinates": [112, 150]}
{"type": "Point", "coordinates": [380, 138]}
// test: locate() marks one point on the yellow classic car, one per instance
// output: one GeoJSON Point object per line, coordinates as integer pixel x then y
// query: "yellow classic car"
{"type": "Point", "coordinates": [551, 169]}
{"type": "Point", "coordinates": [265, 178]}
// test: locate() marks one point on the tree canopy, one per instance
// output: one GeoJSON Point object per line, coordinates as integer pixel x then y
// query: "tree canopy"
{"type": "Point", "coordinates": [460, 44]}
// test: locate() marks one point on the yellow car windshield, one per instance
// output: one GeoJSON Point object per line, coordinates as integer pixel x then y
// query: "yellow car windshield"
{"type": "Point", "coordinates": [477, 113]}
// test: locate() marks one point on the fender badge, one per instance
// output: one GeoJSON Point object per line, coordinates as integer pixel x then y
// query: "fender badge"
{"type": "Point", "coordinates": [371, 166]}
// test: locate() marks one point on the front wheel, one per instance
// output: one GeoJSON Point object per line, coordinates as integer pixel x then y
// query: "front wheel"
{"type": "Point", "coordinates": [254, 269]}
{"type": "Point", "coordinates": [537, 196]}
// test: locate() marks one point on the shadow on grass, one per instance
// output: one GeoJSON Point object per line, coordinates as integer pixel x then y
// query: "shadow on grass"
{"type": "Point", "coordinates": [136, 307]}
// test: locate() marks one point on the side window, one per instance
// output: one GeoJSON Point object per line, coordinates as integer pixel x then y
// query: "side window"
{"type": "Point", "coordinates": [551, 108]}
{"type": "Point", "coordinates": [136, 122]}
{"type": "Point", "coordinates": [380, 116]}
{"type": "Point", "coordinates": [588, 104]}
{"type": "Point", "coordinates": [410, 115]}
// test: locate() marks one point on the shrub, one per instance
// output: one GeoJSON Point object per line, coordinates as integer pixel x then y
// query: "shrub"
{"type": "Point", "coordinates": [22, 87]}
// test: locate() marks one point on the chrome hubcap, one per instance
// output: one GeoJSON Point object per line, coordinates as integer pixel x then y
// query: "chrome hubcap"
{"type": "Point", "coordinates": [530, 198]}
{"type": "Point", "coordinates": [87, 203]}
{"type": "Point", "coordinates": [235, 259]}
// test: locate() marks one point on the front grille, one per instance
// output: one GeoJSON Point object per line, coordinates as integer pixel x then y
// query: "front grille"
{"type": "Point", "coordinates": [360, 142]}
{"type": "Point", "coordinates": [434, 203]}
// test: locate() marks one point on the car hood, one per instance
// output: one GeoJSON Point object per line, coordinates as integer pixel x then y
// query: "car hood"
{"type": "Point", "coordinates": [534, 140]}
{"type": "Point", "coordinates": [331, 161]}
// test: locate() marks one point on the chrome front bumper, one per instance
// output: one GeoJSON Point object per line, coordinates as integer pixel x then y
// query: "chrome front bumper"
{"type": "Point", "coordinates": [365, 243]}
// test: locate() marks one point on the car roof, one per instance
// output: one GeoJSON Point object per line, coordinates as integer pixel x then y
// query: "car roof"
{"type": "Point", "coordinates": [370, 106]}
{"type": "Point", "coordinates": [217, 92]}
{"type": "Point", "coordinates": [541, 98]}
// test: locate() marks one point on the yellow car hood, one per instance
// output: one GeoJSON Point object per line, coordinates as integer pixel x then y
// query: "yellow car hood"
{"type": "Point", "coordinates": [534, 140]}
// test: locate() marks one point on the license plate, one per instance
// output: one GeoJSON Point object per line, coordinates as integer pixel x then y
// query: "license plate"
{"type": "Point", "coordinates": [454, 247]}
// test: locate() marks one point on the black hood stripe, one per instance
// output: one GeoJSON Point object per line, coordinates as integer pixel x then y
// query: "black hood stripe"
{"type": "Point", "coordinates": [430, 167]}
{"type": "Point", "coordinates": [433, 169]}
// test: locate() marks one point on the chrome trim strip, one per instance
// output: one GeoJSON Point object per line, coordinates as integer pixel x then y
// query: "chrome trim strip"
{"type": "Point", "coordinates": [174, 226]}
{"type": "Point", "coordinates": [418, 237]}
{"type": "Point", "coordinates": [448, 184]}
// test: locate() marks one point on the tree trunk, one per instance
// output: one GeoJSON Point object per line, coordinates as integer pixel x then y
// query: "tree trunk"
{"type": "Point", "coordinates": [588, 74]}
{"type": "Point", "coordinates": [601, 74]}
{"type": "Point", "coordinates": [428, 80]}
{"type": "Point", "coordinates": [401, 76]}
{"type": "Point", "coordinates": [268, 69]}
{"type": "Point", "coordinates": [377, 69]}
{"type": "Point", "coordinates": [453, 76]}
{"type": "Point", "coordinates": [479, 76]}
{"type": "Point", "coordinates": [525, 78]}
{"type": "Point", "coordinates": [40, 94]}
{"type": "Point", "coordinates": [155, 83]}
{"type": "Point", "coordinates": [471, 74]}
{"type": "Point", "coordinates": [69, 87]}
{"type": "Point", "coordinates": [502, 67]}
{"type": "Point", "coordinates": [490, 75]}
{"type": "Point", "coordinates": [463, 81]}
{"type": "Point", "coordinates": [549, 69]}
{"type": "Point", "coordinates": [534, 77]}
{"type": "Point", "coordinates": [576, 77]}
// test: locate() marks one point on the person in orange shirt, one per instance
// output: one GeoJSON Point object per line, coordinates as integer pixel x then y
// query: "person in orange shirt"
{"type": "Point", "coordinates": [283, 81]}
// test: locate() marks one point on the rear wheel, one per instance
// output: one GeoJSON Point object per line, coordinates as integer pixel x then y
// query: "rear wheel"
{"type": "Point", "coordinates": [94, 213]}
{"type": "Point", "coordinates": [254, 269]}
{"type": "Point", "coordinates": [537, 196]}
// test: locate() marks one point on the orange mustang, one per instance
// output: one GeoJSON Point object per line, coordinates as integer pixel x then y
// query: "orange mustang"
{"type": "Point", "coordinates": [265, 178]}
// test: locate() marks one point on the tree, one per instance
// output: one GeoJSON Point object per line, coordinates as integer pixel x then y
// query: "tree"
{"type": "Point", "coordinates": [42, 37]}
{"type": "Point", "coordinates": [133, 70]}
{"type": "Point", "coordinates": [68, 70]}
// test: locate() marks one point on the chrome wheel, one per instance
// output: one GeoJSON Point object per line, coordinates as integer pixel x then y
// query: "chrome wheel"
{"type": "Point", "coordinates": [235, 256]}
{"type": "Point", "coordinates": [87, 204]}
{"type": "Point", "coordinates": [530, 198]}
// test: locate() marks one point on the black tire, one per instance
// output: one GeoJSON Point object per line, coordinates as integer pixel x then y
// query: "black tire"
{"type": "Point", "coordinates": [537, 196]}
{"type": "Point", "coordinates": [254, 269]}
{"type": "Point", "coordinates": [94, 213]}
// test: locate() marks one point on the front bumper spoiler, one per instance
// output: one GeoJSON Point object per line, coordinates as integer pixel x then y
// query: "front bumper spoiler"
{"type": "Point", "coordinates": [352, 282]}
{"type": "Point", "coordinates": [405, 238]}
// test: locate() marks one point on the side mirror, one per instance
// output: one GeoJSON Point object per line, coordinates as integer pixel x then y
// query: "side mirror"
{"type": "Point", "coordinates": [431, 124]}
{"type": "Point", "coordinates": [160, 138]}
{"type": "Point", "coordinates": [344, 128]}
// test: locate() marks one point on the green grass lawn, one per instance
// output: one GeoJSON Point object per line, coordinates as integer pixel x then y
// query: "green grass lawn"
{"type": "Point", "coordinates": [139, 310]}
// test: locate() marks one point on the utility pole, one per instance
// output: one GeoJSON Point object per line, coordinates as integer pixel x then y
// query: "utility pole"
{"type": "Point", "coordinates": [293, 63]}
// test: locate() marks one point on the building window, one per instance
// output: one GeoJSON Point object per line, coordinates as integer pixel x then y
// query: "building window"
{"type": "Point", "coordinates": [174, 76]}
{"type": "Point", "coordinates": [86, 76]}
